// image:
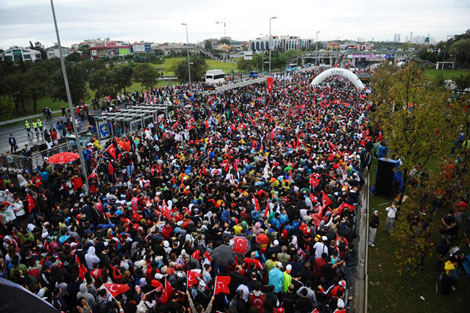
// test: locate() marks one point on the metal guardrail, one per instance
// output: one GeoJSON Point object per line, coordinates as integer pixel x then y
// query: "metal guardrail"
{"type": "Point", "coordinates": [24, 118]}
{"type": "Point", "coordinates": [12, 162]}
{"type": "Point", "coordinates": [361, 278]}
{"type": "Point", "coordinates": [234, 86]}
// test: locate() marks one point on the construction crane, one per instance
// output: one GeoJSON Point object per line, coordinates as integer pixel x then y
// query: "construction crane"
{"type": "Point", "coordinates": [225, 27]}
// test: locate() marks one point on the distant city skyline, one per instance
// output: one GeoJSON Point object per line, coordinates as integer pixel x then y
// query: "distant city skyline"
{"type": "Point", "coordinates": [22, 21]}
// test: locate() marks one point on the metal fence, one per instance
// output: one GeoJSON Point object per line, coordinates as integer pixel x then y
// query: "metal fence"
{"type": "Point", "coordinates": [11, 162]}
{"type": "Point", "coordinates": [14, 162]}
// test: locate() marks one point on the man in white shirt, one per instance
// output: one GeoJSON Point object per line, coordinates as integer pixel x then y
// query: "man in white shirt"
{"type": "Point", "coordinates": [391, 214]}
{"type": "Point", "coordinates": [321, 247]}
{"type": "Point", "coordinates": [19, 209]}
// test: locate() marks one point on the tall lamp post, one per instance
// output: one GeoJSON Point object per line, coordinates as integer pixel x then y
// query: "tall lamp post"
{"type": "Point", "coordinates": [316, 39]}
{"type": "Point", "coordinates": [270, 41]}
{"type": "Point", "coordinates": [187, 50]}
{"type": "Point", "coordinates": [69, 99]}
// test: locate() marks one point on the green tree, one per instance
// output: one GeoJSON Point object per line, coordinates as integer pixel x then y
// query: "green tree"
{"type": "Point", "coordinates": [146, 75]}
{"type": "Point", "coordinates": [123, 76]}
{"type": "Point", "coordinates": [90, 66]}
{"type": "Point", "coordinates": [419, 124]}
{"type": "Point", "coordinates": [207, 45]}
{"type": "Point", "coordinates": [244, 65]}
{"type": "Point", "coordinates": [85, 49]}
{"type": "Point", "coordinates": [77, 77]}
{"type": "Point", "coordinates": [198, 69]}
{"type": "Point", "coordinates": [39, 81]}
{"type": "Point", "coordinates": [13, 85]}
{"type": "Point", "coordinates": [103, 83]}
{"type": "Point", "coordinates": [73, 57]}
{"type": "Point", "coordinates": [461, 50]}
{"type": "Point", "coordinates": [417, 121]}
{"type": "Point", "coordinates": [462, 82]}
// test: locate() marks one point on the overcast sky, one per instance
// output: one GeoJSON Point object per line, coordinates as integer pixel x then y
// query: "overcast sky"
{"type": "Point", "coordinates": [160, 21]}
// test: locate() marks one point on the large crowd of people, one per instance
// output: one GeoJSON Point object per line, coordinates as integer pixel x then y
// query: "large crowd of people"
{"type": "Point", "coordinates": [245, 202]}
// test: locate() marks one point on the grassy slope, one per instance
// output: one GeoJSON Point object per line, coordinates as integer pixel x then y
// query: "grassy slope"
{"type": "Point", "coordinates": [447, 74]}
{"type": "Point", "coordinates": [390, 292]}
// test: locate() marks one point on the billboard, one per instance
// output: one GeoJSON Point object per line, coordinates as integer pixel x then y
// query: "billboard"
{"type": "Point", "coordinates": [124, 51]}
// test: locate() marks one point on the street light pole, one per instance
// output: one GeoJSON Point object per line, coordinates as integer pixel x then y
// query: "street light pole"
{"type": "Point", "coordinates": [270, 42]}
{"type": "Point", "coordinates": [69, 100]}
{"type": "Point", "coordinates": [316, 39]}
{"type": "Point", "coordinates": [187, 49]}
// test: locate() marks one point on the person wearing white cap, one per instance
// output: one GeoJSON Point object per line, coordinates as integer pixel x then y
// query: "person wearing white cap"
{"type": "Point", "coordinates": [321, 247]}
{"type": "Point", "coordinates": [340, 307]}
{"type": "Point", "coordinates": [287, 281]}
{"type": "Point", "coordinates": [373, 225]}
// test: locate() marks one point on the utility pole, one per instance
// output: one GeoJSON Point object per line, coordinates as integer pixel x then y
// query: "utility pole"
{"type": "Point", "coordinates": [69, 100]}
{"type": "Point", "coordinates": [270, 42]}
{"type": "Point", "coordinates": [316, 39]}
{"type": "Point", "coordinates": [187, 50]}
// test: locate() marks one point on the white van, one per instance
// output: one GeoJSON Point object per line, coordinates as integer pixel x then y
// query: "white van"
{"type": "Point", "coordinates": [215, 77]}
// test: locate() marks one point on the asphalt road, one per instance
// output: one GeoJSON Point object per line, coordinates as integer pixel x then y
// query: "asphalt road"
{"type": "Point", "coordinates": [22, 137]}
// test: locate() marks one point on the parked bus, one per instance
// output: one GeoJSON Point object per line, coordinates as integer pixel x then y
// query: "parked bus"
{"type": "Point", "coordinates": [215, 77]}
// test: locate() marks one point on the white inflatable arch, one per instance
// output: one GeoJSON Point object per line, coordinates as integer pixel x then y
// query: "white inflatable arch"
{"type": "Point", "coordinates": [339, 72]}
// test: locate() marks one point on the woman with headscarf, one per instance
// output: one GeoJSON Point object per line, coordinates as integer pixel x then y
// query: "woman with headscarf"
{"type": "Point", "coordinates": [91, 258]}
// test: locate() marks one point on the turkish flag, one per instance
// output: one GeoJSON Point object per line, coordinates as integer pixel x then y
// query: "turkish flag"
{"type": "Point", "coordinates": [166, 211]}
{"type": "Point", "coordinates": [269, 84]}
{"type": "Point", "coordinates": [345, 205]}
{"type": "Point", "coordinates": [312, 180]}
{"type": "Point", "coordinates": [92, 175]}
{"type": "Point", "coordinates": [266, 212]}
{"type": "Point", "coordinates": [221, 284]}
{"type": "Point", "coordinates": [82, 270]}
{"type": "Point", "coordinates": [255, 202]}
{"type": "Point", "coordinates": [112, 151]}
{"type": "Point", "coordinates": [31, 203]}
{"type": "Point", "coordinates": [96, 273]}
{"type": "Point", "coordinates": [204, 171]}
{"type": "Point", "coordinates": [116, 289]}
{"type": "Point", "coordinates": [192, 277]}
{"type": "Point", "coordinates": [110, 169]}
{"type": "Point", "coordinates": [239, 245]}
{"type": "Point", "coordinates": [166, 292]}
{"type": "Point", "coordinates": [325, 199]}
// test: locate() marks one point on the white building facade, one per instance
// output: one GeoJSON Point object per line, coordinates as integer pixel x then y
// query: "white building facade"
{"type": "Point", "coordinates": [53, 52]}
{"type": "Point", "coordinates": [16, 53]}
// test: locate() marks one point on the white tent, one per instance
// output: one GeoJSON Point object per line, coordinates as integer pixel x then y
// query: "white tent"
{"type": "Point", "coordinates": [339, 72]}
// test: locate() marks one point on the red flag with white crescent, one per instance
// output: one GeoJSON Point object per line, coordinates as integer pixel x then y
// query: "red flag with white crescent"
{"type": "Point", "coordinates": [267, 211]}
{"type": "Point", "coordinates": [325, 199]}
{"type": "Point", "coordinates": [116, 289]}
{"type": "Point", "coordinates": [255, 202]}
{"type": "Point", "coordinates": [166, 211]}
{"type": "Point", "coordinates": [221, 284]}
{"type": "Point", "coordinates": [240, 245]}
{"type": "Point", "coordinates": [31, 203]}
{"type": "Point", "coordinates": [112, 151]}
{"type": "Point", "coordinates": [192, 278]}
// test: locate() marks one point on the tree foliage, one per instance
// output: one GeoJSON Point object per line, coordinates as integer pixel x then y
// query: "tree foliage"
{"type": "Point", "coordinates": [198, 69]}
{"type": "Point", "coordinates": [421, 122]}
{"type": "Point", "coordinates": [415, 115]}
{"type": "Point", "coordinates": [77, 78]}
{"type": "Point", "coordinates": [244, 65]}
{"type": "Point", "coordinates": [146, 75]}
{"type": "Point", "coordinates": [461, 50]}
